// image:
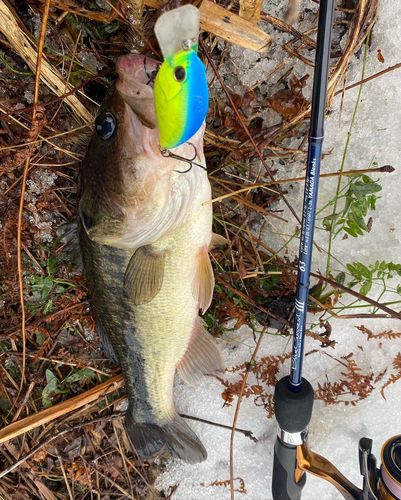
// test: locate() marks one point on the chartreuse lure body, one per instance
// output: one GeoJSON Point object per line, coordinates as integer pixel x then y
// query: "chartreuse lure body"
{"type": "Point", "coordinates": [181, 93]}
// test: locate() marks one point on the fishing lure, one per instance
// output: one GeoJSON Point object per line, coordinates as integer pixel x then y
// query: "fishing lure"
{"type": "Point", "coordinates": [181, 93]}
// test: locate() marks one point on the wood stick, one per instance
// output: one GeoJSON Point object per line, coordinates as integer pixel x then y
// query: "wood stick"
{"type": "Point", "coordinates": [233, 28]}
{"type": "Point", "coordinates": [45, 416]}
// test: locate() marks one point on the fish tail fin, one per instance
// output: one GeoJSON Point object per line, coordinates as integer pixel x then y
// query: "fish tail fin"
{"type": "Point", "coordinates": [176, 435]}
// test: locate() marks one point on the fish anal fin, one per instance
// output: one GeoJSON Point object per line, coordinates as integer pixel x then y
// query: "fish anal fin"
{"type": "Point", "coordinates": [203, 357]}
{"type": "Point", "coordinates": [203, 281]}
{"type": "Point", "coordinates": [217, 240]}
{"type": "Point", "coordinates": [149, 438]}
{"type": "Point", "coordinates": [144, 275]}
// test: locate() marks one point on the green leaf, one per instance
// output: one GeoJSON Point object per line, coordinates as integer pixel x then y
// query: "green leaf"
{"type": "Point", "coordinates": [361, 189]}
{"type": "Point", "coordinates": [52, 263]}
{"type": "Point", "coordinates": [340, 278]}
{"type": "Point", "coordinates": [354, 225]}
{"type": "Point", "coordinates": [352, 269]}
{"type": "Point", "coordinates": [39, 338]}
{"type": "Point", "coordinates": [359, 270]}
{"type": "Point", "coordinates": [47, 285]}
{"type": "Point", "coordinates": [350, 231]}
{"type": "Point", "coordinates": [365, 288]}
{"type": "Point", "coordinates": [372, 202]}
{"type": "Point", "coordinates": [383, 265]}
{"type": "Point", "coordinates": [51, 386]}
{"type": "Point", "coordinates": [48, 307]}
{"type": "Point", "coordinates": [5, 405]}
{"type": "Point", "coordinates": [356, 216]}
{"type": "Point", "coordinates": [111, 28]}
{"type": "Point", "coordinates": [394, 267]}
{"type": "Point", "coordinates": [329, 221]}
{"type": "Point", "coordinates": [79, 375]}
{"type": "Point", "coordinates": [348, 201]}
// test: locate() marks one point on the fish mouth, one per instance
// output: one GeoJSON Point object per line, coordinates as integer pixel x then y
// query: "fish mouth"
{"type": "Point", "coordinates": [136, 69]}
{"type": "Point", "coordinates": [135, 86]}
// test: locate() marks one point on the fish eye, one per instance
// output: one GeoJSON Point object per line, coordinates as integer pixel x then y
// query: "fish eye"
{"type": "Point", "coordinates": [106, 125]}
{"type": "Point", "coordinates": [179, 73]}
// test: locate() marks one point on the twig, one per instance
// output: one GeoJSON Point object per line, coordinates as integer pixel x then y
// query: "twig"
{"type": "Point", "coordinates": [50, 317]}
{"type": "Point", "coordinates": [66, 363]}
{"type": "Point", "coordinates": [385, 168]}
{"type": "Point", "coordinates": [24, 402]}
{"type": "Point", "coordinates": [46, 416]}
{"type": "Point", "coordinates": [125, 493]}
{"type": "Point", "coordinates": [23, 187]}
{"type": "Point", "coordinates": [64, 474]}
{"type": "Point", "coordinates": [243, 124]}
{"type": "Point", "coordinates": [283, 26]}
{"type": "Point", "coordinates": [248, 369]}
{"type": "Point", "coordinates": [51, 438]}
{"type": "Point", "coordinates": [369, 78]}
{"type": "Point", "coordinates": [124, 458]}
{"type": "Point", "coordinates": [32, 143]}
{"type": "Point", "coordinates": [359, 296]}
{"type": "Point", "coordinates": [242, 431]}
{"type": "Point", "coordinates": [251, 301]}
{"type": "Point", "coordinates": [61, 97]}
{"type": "Point", "coordinates": [269, 75]}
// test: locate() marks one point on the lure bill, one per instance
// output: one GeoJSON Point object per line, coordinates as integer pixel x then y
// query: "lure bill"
{"type": "Point", "coordinates": [181, 92]}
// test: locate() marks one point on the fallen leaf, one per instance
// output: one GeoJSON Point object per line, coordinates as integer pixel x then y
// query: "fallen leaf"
{"type": "Point", "coordinates": [250, 10]}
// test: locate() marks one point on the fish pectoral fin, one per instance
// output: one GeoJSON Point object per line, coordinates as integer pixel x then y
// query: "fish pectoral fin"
{"type": "Point", "coordinates": [203, 281]}
{"type": "Point", "coordinates": [144, 275]}
{"type": "Point", "coordinates": [203, 357]}
{"type": "Point", "coordinates": [217, 240]}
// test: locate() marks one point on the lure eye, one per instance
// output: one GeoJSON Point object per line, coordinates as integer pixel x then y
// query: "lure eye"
{"type": "Point", "coordinates": [106, 125]}
{"type": "Point", "coordinates": [179, 73]}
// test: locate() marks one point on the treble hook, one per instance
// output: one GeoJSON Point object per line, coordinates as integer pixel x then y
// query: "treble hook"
{"type": "Point", "coordinates": [168, 154]}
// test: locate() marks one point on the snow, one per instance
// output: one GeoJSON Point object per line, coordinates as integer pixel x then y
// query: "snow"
{"type": "Point", "coordinates": [335, 429]}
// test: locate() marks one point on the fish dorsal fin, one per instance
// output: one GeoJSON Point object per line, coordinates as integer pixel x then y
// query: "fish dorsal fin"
{"type": "Point", "coordinates": [203, 282]}
{"type": "Point", "coordinates": [177, 27]}
{"type": "Point", "coordinates": [217, 240]}
{"type": "Point", "coordinates": [144, 275]}
{"type": "Point", "coordinates": [203, 357]}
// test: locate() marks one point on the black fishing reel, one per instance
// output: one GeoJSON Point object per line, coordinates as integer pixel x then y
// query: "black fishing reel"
{"type": "Point", "coordinates": [293, 458]}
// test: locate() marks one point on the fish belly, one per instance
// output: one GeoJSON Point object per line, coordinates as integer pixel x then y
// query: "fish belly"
{"type": "Point", "coordinates": [165, 325]}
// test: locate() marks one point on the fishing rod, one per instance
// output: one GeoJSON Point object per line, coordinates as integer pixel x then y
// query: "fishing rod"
{"type": "Point", "coordinates": [294, 394]}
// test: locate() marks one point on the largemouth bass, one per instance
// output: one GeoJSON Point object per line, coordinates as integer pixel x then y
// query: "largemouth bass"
{"type": "Point", "coordinates": [144, 238]}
